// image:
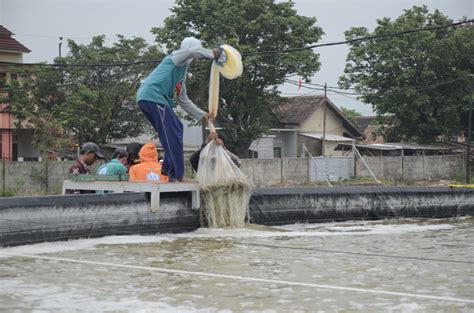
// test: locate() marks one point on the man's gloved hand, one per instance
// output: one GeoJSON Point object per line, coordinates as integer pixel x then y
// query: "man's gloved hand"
{"type": "Point", "coordinates": [219, 56]}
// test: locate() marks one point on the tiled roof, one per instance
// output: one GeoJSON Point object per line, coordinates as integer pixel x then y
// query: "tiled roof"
{"type": "Point", "coordinates": [362, 122]}
{"type": "Point", "coordinates": [293, 111]}
{"type": "Point", "coordinates": [9, 44]}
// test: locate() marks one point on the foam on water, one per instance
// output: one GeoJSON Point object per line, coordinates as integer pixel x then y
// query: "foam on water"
{"type": "Point", "coordinates": [251, 270]}
{"type": "Point", "coordinates": [53, 298]}
{"type": "Point", "coordinates": [364, 228]}
{"type": "Point", "coordinates": [286, 231]}
{"type": "Point", "coordinates": [82, 244]}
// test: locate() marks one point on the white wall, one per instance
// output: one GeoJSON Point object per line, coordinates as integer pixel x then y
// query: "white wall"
{"type": "Point", "coordinates": [10, 57]}
{"type": "Point", "coordinates": [286, 140]}
{"type": "Point", "coordinates": [264, 147]}
{"type": "Point", "coordinates": [315, 123]}
{"type": "Point", "coordinates": [192, 135]}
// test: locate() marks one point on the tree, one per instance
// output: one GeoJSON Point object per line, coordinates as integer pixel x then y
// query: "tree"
{"type": "Point", "coordinates": [245, 106]}
{"type": "Point", "coordinates": [350, 114]}
{"type": "Point", "coordinates": [416, 82]}
{"type": "Point", "coordinates": [31, 100]}
{"type": "Point", "coordinates": [89, 96]}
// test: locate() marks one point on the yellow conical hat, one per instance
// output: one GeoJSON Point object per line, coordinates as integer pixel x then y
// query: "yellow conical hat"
{"type": "Point", "coordinates": [232, 68]}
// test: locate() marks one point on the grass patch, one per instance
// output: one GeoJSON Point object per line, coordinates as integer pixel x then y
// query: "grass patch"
{"type": "Point", "coordinates": [7, 193]}
{"type": "Point", "coordinates": [368, 181]}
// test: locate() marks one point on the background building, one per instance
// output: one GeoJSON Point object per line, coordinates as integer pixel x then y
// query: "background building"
{"type": "Point", "coordinates": [302, 128]}
{"type": "Point", "coordinates": [15, 142]}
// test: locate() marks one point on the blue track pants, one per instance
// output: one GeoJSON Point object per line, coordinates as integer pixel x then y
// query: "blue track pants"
{"type": "Point", "coordinates": [170, 130]}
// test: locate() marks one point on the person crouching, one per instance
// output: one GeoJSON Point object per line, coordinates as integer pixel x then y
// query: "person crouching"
{"type": "Point", "coordinates": [148, 170]}
{"type": "Point", "coordinates": [116, 166]}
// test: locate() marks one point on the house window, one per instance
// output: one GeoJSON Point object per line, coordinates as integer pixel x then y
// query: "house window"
{"type": "Point", "coordinates": [14, 152]}
{"type": "Point", "coordinates": [13, 76]}
{"type": "Point", "coordinates": [3, 79]}
{"type": "Point", "coordinates": [277, 152]}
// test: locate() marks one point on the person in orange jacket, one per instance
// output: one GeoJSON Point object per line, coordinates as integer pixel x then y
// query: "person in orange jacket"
{"type": "Point", "coordinates": [148, 170]}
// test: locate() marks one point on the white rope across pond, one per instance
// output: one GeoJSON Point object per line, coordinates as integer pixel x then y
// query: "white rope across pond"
{"type": "Point", "coordinates": [250, 279]}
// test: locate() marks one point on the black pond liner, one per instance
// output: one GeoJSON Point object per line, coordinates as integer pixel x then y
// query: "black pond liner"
{"type": "Point", "coordinates": [27, 220]}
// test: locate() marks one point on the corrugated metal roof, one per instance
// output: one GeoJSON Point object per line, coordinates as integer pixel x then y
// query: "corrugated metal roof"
{"type": "Point", "coordinates": [399, 146]}
{"type": "Point", "coordinates": [378, 146]}
{"type": "Point", "coordinates": [9, 44]}
{"type": "Point", "coordinates": [414, 146]}
{"type": "Point", "coordinates": [329, 137]}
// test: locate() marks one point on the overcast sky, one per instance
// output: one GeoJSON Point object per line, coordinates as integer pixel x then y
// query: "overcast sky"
{"type": "Point", "coordinates": [38, 24]}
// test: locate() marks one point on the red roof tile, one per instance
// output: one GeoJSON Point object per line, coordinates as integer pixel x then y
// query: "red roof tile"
{"type": "Point", "coordinates": [7, 43]}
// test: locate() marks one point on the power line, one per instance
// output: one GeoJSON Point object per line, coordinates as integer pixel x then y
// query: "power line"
{"type": "Point", "coordinates": [63, 65]}
{"type": "Point", "coordinates": [297, 94]}
{"type": "Point", "coordinates": [322, 85]}
{"type": "Point", "coordinates": [344, 95]}
{"type": "Point", "coordinates": [322, 89]}
{"type": "Point", "coordinates": [410, 31]}
{"type": "Point", "coordinates": [417, 88]}
{"type": "Point", "coordinates": [316, 84]}
{"type": "Point", "coordinates": [257, 52]}
{"type": "Point", "coordinates": [302, 85]}
{"type": "Point", "coordinates": [328, 88]}
{"type": "Point", "coordinates": [51, 36]}
{"type": "Point", "coordinates": [384, 92]}
{"type": "Point", "coordinates": [341, 93]}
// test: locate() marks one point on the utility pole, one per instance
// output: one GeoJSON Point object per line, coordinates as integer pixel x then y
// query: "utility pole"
{"type": "Point", "coordinates": [469, 131]}
{"type": "Point", "coordinates": [324, 119]}
{"type": "Point", "coordinates": [60, 44]}
{"type": "Point", "coordinates": [60, 56]}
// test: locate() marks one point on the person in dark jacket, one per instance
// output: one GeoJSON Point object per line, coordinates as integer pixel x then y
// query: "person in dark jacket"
{"type": "Point", "coordinates": [88, 154]}
{"type": "Point", "coordinates": [133, 150]}
{"type": "Point", "coordinates": [194, 158]}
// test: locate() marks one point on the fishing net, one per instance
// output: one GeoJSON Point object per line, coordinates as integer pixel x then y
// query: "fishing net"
{"type": "Point", "coordinates": [225, 189]}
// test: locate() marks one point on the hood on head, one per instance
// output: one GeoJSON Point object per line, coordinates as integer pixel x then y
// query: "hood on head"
{"type": "Point", "coordinates": [148, 153]}
{"type": "Point", "coordinates": [190, 42]}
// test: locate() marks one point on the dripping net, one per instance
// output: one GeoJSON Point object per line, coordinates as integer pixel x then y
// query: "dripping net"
{"type": "Point", "coordinates": [225, 189]}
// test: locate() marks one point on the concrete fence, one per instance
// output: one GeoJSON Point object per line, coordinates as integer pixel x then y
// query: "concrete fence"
{"type": "Point", "coordinates": [28, 178]}
{"type": "Point", "coordinates": [413, 167]}
{"type": "Point", "coordinates": [331, 168]}
{"type": "Point", "coordinates": [268, 172]}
